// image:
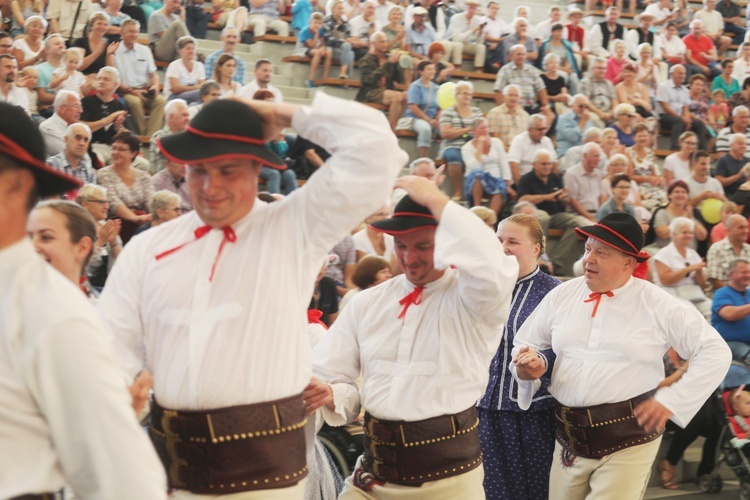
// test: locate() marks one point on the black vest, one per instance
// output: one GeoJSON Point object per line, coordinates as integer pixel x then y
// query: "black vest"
{"type": "Point", "coordinates": [647, 38]}
{"type": "Point", "coordinates": [608, 36]}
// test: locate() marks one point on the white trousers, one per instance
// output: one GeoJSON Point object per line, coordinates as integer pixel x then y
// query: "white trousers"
{"type": "Point", "coordinates": [296, 492]}
{"type": "Point", "coordinates": [466, 486]}
{"type": "Point", "coordinates": [621, 475]}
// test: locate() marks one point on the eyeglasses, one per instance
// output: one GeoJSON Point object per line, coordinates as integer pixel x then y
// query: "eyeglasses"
{"type": "Point", "coordinates": [94, 200]}
{"type": "Point", "coordinates": [622, 187]}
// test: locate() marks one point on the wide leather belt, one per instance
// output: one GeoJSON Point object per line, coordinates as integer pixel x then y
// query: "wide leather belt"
{"type": "Point", "coordinates": [227, 450]}
{"type": "Point", "coordinates": [411, 453]}
{"type": "Point", "coordinates": [596, 431]}
{"type": "Point", "coordinates": [35, 496]}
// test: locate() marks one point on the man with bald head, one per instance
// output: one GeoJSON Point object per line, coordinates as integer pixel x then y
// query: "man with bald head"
{"type": "Point", "coordinates": [740, 125]}
{"type": "Point", "coordinates": [533, 91]}
{"type": "Point", "coordinates": [672, 106]}
{"type": "Point", "coordinates": [67, 112]}
{"type": "Point", "coordinates": [723, 252]}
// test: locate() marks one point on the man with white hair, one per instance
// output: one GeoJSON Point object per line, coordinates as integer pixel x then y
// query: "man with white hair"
{"type": "Point", "coordinates": [173, 179]}
{"type": "Point", "coordinates": [74, 159]}
{"type": "Point", "coordinates": [108, 244]}
{"type": "Point", "coordinates": [231, 37]}
{"type": "Point", "coordinates": [104, 113]}
{"type": "Point", "coordinates": [421, 167]}
{"type": "Point", "coordinates": [713, 25]}
{"type": "Point", "coordinates": [700, 51]}
{"type": "Point", "coordinates": [583, 182]}
{"type": "Point", "coordinates": [67, 112]}
{"type": "Point", "coordinates": [672, 100]}
{"type": "Point", "coordinates": [601, 93]}
{"type": "Point", "coordinates": [9, 93]}
{"type": "Point", "coordinates": [572, 124]}
{"type": "Point", "coordinates": [177, 121]}
{"type": "Point", "coordinates": [525, 145]}
{"type": "Point", "coordinates": [163, 206]}
{"type": "Point", "coordinates": [533, 91]}
{"type": "Point", "coordinates": [573, 155]}
{"type": "Point", "coordinates": [466, 30]}
{"type": "Point", "coordinates": [740, 125]}
{"type": "Point", "coordinates": [724, 251]}
{"type": "Point", "coordinates": [730, 169]}
{"type": "Point", "coordinates": [521, 30]}
{"type": "Point", "coordinates": [508, 119]}
{"type": "Point", "coordinates": [363, 27]}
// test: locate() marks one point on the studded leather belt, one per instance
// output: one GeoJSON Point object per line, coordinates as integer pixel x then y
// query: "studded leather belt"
{"type": "Point", "coordinates": [596, 431]}
{"type": "Point", "coordinates": [412, 453]}
{"type": "Point", "coordinates": [228, 450]}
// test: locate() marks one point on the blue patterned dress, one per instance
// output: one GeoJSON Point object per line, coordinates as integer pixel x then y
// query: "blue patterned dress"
{"type": "Point", "coordinates": [517, 445]}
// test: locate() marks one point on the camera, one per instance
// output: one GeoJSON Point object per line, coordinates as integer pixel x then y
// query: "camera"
{"type": "Point", "coordinates": [149, 93]}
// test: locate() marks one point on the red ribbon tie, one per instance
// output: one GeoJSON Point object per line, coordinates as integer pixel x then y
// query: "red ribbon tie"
{"type": "Point", "coordinates": [596, 297]}
{"type": "Point", "coordinates": [229, 236]}
{"type": "Point", "coordinates": [415, 297]}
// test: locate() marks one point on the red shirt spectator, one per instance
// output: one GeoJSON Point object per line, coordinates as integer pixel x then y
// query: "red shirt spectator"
{"type": "Point", "coordinates": [699, 46]}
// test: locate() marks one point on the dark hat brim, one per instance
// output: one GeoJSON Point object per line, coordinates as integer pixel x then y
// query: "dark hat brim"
{"type": "Point", "coordinates": [49, 180]}
{"type": "Point", "coordinates": [190, 147]}
{"type": "Point", "coordinates": [604, 236]}
{"type": "Point", "coordinates": [402, 225]}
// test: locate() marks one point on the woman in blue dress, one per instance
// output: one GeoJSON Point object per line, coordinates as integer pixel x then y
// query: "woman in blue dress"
{"type": "Point", "coordinates": [517, 446]}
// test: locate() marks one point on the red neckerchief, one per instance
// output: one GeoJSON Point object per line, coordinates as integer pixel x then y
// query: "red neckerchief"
{"type": "Point", "coordinates": [415, 297]}
{"type": "Point", "coordinates": [82, 284]}
{"type": "Point", "coordinates": [596, 297]}
{"type": "Point", "coordinates": [229, 235]}
{"type": "Point", "coordinates": [314, 315]}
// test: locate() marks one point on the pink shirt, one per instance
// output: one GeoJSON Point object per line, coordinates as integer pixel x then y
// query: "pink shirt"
{"type": "Point", "coordinates": [614, 69]}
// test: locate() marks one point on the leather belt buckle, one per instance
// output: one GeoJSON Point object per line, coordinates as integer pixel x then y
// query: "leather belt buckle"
{"type": "Point", "coordinates": [171, 441]}
{"type": "Point", "coordinates": [564, 410]}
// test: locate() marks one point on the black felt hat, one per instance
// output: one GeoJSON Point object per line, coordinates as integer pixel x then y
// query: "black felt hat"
{"type": "Point", "coordinates": [619, 231]}
{"type": "Point", "coordinates": [21, 140]}
{"type": "Point", "coordinates": [222, 129]}
{"type": "Point", "coordinates": [407, 217]}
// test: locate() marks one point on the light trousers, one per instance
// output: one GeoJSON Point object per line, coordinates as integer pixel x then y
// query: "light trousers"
{"type": "Point", "coordinates": [453, 52]}
{"type": "Point", "coordinates": [621, 475]}
{"type": "Point", "coordinates": [479, 51]}
{"type": "Point", "coordinates": [155, 118]}
{"type": "Point", "coordinates": [296, 492]}
{"type": "Point", "coordinates": [260, 24]}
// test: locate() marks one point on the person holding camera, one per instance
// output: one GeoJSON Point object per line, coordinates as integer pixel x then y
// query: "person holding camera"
{"type": "Point", "coordinates": [165, 27]}
{"type": "Point", "coordinates": [140, 83]}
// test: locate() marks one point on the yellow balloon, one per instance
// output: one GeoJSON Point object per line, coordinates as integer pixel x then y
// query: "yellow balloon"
{"type": "Point", "coordinates": [446, 97]}
{"type": "Point", "coordinates": [711, 210]}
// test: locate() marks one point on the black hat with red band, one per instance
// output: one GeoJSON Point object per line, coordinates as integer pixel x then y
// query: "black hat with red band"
{"type": "Point", "coordinates": [619, 231]}
{"type": "Point", "coordinates": [21, 140]}
{"type": "Point", "coordinates": [223, 129]}
{"type": "Point", "coordinates": [408, 216]}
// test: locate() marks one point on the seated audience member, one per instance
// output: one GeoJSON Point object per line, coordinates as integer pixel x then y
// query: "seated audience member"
{"type": "Point", "coordinates": [421, 167]}
{"type": "Point", "coordinates": [312, 44]}
{"type": "Point", "coordinates": [95, 45]}
{"type": "Point", "coordinates": [678, 206]}
{"type": "Point", "coordinates": [456, 124]}
{"type": "Point", "coordinates": [363, 26]}
{"type": "Point", "coordinates": [67, 112]}
{"type": "Point", "coordinates": [74, 158]}
{"type": "Point", "coordinates": [172, 178]}
{"type": "Point", "coordinates": [229, 13]}
{"type": "Point", "coordinates": [742, 65]}
{"type": "Point", "coordinates": [128, 189]}
{"type": "Point", "coordinates": [624, 124]}
{"type": "Point", "coordinates": [610, 143]}
{"type": "Point", "coordinates": [617, 61]}
{"type": "Point", "coordinates": [9, 91]}
{"type": "Point", "coordinates": [67, 76]}
{"type": "Point", "coordinates": [649, 70]}
{"type": "Point", "coordinates": [139, 84]}
{"type": "Point", "coordinates": [508, 119]}
{"type": "Point", "coordinates": [677, 165]}
{"type": "Point", "coordinates": [524, 146]}
{"type": "Point", "coordinates": [68, 19]}
{"type": "Point", "coordinates": [558, 86]}
{"type": "Point", "coordinates": [644, 170]}
{"type": "Point", "coordinates": [263, 72]}
{"type": "Point", "coordinates": [54, 48]}
{"type": "Point", "coordinates": [601, 93]}
{"type": "Point", "coordinates": [620, 186]}
{"type": "Point", "coordinates": [165, 27]}
{"type": "Point", "coordinates": [337, 35]}
{"type": "Point", "coordinates": [601, 35]}
{"type": "Point", "coordinates": [380, 72]}
{"type": "Point", "coordinates": [526, 77]}
{"type": "Point", "coordinates": [618, 164]}
{"type": "Point", "coordinates": [662, 11]}
{"type": "Point", "coordinates": [29, 50]}
{"type": "Point", "coordinates": [369, 242]}
{"type": "Point", "coordinates": [231, 37]}
{"type": "Point", "coordinates": [679, 268]}
{"type": "Point", "coordinates": [631, 91]}
{"type": "Point", "coordinates": [306, 157]}
{"type": "Point", "coordinates": [723, 252]}
{"type": "Point", "coordinates": [185, 75]}
{"type": "Point", "coordinates": [163, 207]}
{"type": "Point", "coordinates": [673, 108]}
{"type": "Point", "coordinates": [730, 169]}
{"type": "Point", "coordinates": [370, 271]}
{"type": "Point", "coordinates": [719, 231]}
{"type": "Point", "coordinates": [15, 13]}
{"type": "Point", "coordinates": [726, 81]}
{"type": "Point", "coordinates": [740, 125]}
{"type": "Point", "coordinates": [177, 121]}
{"type": "Point", "coordinates": [742, 196]}
{"type": "Point", "coordinates": [265, 15]}
{"type": "Point", "coordinates": [731, 309]}
{"type": "Point", "coordinates": [108, 244]}
{"type": "Point", "coordinates": [718, 112]}
{"type": "Point", "coordinates": [422, 112]}
{"type": "Point", "coordinates": [563, 49]}
{"type": "Point", "coordinates": [209, 91]}
{"type": "Point", "coordinates": [277, 180]}
{"type": "Point", "coordinates": [741, 98]}
{"type": "Point", "coordinates": [583, 183]}
{"type": "Point", "coordinates": [394, 29]}
{"type": "Point", "coordinates": [544, 188]}
{"type": "Point", "coordinates": [495, 31]}
{"type": "Point", "coordinates": [26, 82]}
{"type": "Point", "coordinates": [522, 37]}
{"type": "Point", "coordinates": [572, 124]}
{"type": "Point", "coordinates": [342, 259]}
{"type": "Point", "coordinates": [700, 51]}
{"type": "Point", "coordinates": [116, 14]}
{"type": "Point", "coordinates": [487, 170]}
{"type": "Point", "coordinates": [573, 154]}
{"type": "Point", "coordinates": [641, 34]}
{"type": "Point", "coordinates": [575, 33]}
{"type": "Point", "coordinates": [104, 113]}
{"type": "Point", "coordinates": [466, 30]}
{"type": "Point", "coordinates": [224, 70]}
{"type": "Point", "coordinates": [701, 186]}
{"type": "Point", "coordinates": [487, 215]}
{"type": "Point", "coordinates": [734, 24]}
{"type": "Point", "coordinates": [712, 26]}
{"type": "Point", "coordinates": [443, 69]}
{"type": "Point", "coordinates": [699, 103]}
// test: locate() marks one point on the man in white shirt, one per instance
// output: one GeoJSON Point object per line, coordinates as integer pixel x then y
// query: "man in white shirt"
{"type": "Point", "coordinates": [226, 341]}
{"type": "Point", "coordinates": [65, 414]}
{"type": "Point", "coordinates": [67, 112]}
{"type": "Point", "coordinates": [495, 30]}
{"type": "Point", "coordinates": [263, 73]}
{"type": "Point", "coordinates": [466, 30]}
{"type": "Point", "coordinates": [417, 339]}
{"type": "Point", "coordinates": [8, 91]}
{"type": "Point", "coordinates": [662, 12]}
{"type": "Point", "coordinates": [669, 46]}
{"type": "Point", "coordinates": [672, 100]}
{"type": "Point", "coordinates": [544, 29]}
{"type": "Point", "coordinates": [598, 40]}
{"type": "Point", "coordinates": [583, 182]}
{"type": "Point", "coordinates": [610, 331]}
{"type": "Point", "coordinates": [363, 27]}
{"type": "Point", "coordinates": [524, 146]}
{"type": "Point", "coordinates": [69, 18]}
